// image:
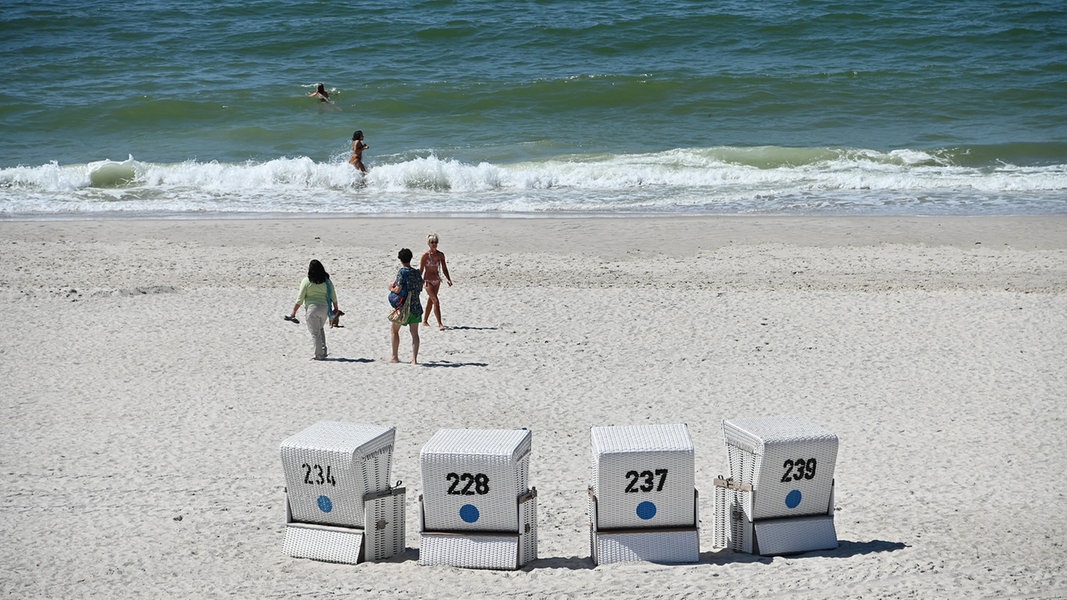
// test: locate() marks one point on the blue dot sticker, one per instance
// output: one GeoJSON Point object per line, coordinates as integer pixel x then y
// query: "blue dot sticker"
{"type": "Point", "coordinates": [792, 500]}
{"type": "Point", "coordinates": [646, 510]}
{"type": "Point", "coordinates": [325, 504]}
{"type": "Point", "coordinates": [469, 513]}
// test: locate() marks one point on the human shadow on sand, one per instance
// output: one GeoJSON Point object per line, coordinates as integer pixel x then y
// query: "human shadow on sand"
{"type": "Point", "coordinates": [348, 360]}
{"type": "Point", "coordinates": [469, 328]}
{"type": "Point", "coordinates": [445, 363]}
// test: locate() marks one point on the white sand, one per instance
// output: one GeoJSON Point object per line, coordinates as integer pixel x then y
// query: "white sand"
{"type": "Point", "coordinates": [148, 380]}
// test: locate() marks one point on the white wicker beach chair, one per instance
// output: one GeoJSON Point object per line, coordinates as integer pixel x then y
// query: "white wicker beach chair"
{"type": "Point", "coordinates": [643, 504]}
{"type": "Point", "coordinates": [780, 496]}
{"type": "Point", "coordinates": [339, 506]}
{"type": "Point", "coordinates": [330, 467]}
{"type": "Point", "coordinates": [477, 509]}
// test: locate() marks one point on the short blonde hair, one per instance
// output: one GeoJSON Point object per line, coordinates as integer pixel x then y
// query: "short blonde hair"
{"type": "Point", "coordinates": [431, 238]}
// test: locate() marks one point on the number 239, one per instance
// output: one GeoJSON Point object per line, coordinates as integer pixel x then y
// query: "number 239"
{"type": "Point", "coordinates": [798, 469]}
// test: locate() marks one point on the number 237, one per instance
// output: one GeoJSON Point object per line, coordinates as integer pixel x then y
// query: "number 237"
{"type": "Point", "coordinates": [647, 481]}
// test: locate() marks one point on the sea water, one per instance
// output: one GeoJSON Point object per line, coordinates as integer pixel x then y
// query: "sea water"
{"type": "Point", "coordinates": [190, 107]}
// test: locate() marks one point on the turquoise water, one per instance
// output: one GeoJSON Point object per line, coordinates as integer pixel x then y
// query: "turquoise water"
{"type": "Point", "coordinates": [542, 106]}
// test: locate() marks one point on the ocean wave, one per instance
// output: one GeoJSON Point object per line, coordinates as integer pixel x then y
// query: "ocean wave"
{"type": "Point", "coordinates": [716, 179]}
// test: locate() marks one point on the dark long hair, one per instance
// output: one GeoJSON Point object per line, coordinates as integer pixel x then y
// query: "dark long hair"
{"type": "Point", "coordinates": [317, 273]}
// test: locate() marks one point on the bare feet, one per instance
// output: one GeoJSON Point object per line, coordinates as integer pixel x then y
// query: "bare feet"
{"type": "Point", "coordinates": [394, 360]}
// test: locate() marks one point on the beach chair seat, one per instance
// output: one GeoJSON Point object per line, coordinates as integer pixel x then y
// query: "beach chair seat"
{"type": "Point", "coordinates": [502, 550]}
{"type": "Point", "coordinates": [380, 536]}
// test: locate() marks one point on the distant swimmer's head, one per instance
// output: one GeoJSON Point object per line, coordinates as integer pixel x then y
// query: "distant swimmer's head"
{"type": "Point", "coordinates": [358, 135]}
{"type": "Point", "coordinates": [404, 255]}
{"type": "Point", "coordinates": [432, 238]}
{"type": "Point", "coordinates": [322, 89]}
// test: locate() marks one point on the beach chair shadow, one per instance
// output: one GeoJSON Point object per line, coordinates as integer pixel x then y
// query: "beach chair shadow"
{"type": "Point", "coordinates": [571, 563]}
{"type": "Point", "coordinates": [845, 549]}
{"type": "Point", "coordinates": [408, 555]}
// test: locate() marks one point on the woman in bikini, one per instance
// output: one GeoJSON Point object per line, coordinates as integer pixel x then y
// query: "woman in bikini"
{"type": "Point", "coordinates": [432, 265]}
{"type": "Point", "coordinates": [358, 146]}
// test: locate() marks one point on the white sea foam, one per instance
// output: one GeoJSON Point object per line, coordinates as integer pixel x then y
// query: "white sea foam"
{"type": "Point", "coordinates": [716, 180]}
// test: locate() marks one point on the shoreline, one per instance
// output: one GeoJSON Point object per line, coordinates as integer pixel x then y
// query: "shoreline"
{"type": "Point", "coordinates": [692, 233]}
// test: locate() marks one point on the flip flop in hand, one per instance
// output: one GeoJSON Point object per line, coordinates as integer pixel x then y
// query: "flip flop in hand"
{"type": "Point", "coordinates": [291, 318]}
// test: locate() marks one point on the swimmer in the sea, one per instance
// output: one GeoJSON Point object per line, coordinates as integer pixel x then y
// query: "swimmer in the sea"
{"type": "Point", "coordinates": [357, 151]}
{"type": "Point", "coordinates": [321, 93]}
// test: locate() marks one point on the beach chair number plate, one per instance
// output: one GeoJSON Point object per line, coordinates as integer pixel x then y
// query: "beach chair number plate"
{"type": "Point", "coordinates": [467, 484]}
{"type": "Point", "coordinates": [646, 481]}
{"type": "Point", "coordinates": [315, 475]}
{"type": "Point", "coordinates": [798, 469]}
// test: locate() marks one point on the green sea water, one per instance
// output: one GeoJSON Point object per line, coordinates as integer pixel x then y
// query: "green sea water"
{"type": "Point", "coordinates": [534, 107]}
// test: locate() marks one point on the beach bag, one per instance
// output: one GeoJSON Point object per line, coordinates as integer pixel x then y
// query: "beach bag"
{"type": "Point", "coordinates": [401, 310]}
{"type": "Point", "coordinates": [400, 314]}
{"type": "Point", "coordinates": [396, 299]}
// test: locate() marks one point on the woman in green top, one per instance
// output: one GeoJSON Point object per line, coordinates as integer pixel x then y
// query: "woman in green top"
{"type": "Point", "coordinates": [318, 297]}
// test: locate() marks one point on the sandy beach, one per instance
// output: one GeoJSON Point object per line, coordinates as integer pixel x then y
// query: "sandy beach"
{"type": "Point", "coordinates": [148, 380]}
